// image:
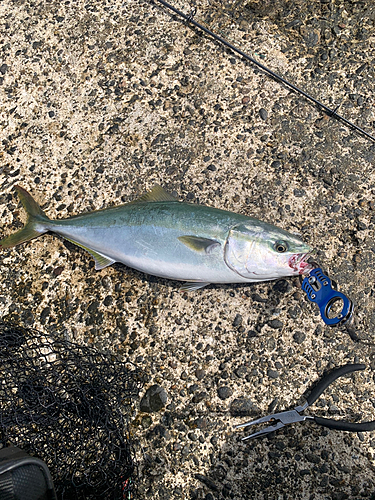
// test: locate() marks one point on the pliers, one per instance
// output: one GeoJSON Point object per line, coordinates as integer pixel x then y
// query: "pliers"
{"type": "Point", "coordinates": [292, 416]}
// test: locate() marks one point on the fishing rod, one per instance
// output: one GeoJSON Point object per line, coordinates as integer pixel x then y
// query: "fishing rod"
{"type": "Point", "coordinates": [189, 18]}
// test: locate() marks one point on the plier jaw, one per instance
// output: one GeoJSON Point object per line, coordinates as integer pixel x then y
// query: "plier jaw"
{"type": "Point", "coordinates": [278, 420]}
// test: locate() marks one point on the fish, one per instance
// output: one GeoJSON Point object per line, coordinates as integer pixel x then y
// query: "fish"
{"type": "Point", "coordinates": [161, 236]}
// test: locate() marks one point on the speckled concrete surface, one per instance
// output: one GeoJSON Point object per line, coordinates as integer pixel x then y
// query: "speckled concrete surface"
{"type": "Point", "coordinates": [101, 100]}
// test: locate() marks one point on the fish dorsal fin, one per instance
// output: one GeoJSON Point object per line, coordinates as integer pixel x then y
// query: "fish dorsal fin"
{"type": "Point", "coordinates": [101, 261]}
{"type": "Point", "coordinates": [157, 193]}
{"type": "Point", "coordinates": [198, 244]}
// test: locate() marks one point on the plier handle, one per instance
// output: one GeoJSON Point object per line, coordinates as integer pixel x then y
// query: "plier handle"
{"type": "Point", "coordinates": [290, 417]}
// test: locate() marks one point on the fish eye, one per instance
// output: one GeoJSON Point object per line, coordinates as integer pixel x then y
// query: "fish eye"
{"type": "Point", "coordinates": [280, 246]}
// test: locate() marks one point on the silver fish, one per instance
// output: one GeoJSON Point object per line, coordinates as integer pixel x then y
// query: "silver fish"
{"type": "Point", "coordinates": [159, 235]}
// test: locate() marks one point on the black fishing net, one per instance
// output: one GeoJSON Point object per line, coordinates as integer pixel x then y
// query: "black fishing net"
{"type": "Point", "coordinates": [69, 405]}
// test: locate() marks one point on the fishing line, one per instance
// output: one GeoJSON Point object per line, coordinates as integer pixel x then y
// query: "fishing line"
{"type": "Point", "coordinates": [332, 113]}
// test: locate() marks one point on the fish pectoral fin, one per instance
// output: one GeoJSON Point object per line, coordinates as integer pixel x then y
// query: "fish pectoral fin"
{"type": "Point", "coordinates": [198, 244]}
{"type": "Point", "coordinates": [191, 286]}
{"type": "Point", "coordinates": [101, 260]}
{"type": "Point", "coordinates": [157, 193]}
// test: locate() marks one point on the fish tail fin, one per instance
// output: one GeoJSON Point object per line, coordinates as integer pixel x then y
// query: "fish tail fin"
{"type": "Point", "coordinates": [35, 224]}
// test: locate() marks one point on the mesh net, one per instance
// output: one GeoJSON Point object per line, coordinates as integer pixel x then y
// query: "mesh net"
{"type": "Point", "coordinates": [69, 405]}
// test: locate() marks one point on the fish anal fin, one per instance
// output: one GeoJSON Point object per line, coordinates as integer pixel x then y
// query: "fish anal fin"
{"type": "Point", "coordinates": [199, 244]}
{"type": "Point", "coordinates": [157, 193]}
{"type": "Point", "coordinates": [101, 260]}
{"type": "Point", "coordinates": [191, 286]}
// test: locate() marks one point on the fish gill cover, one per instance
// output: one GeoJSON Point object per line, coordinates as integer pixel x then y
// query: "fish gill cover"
{"type": "Point", "coordinates": [69, 405]}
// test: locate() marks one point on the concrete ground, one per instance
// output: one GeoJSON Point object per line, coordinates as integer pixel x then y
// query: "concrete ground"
{"type": "Point", "coordinates": [99, 101]}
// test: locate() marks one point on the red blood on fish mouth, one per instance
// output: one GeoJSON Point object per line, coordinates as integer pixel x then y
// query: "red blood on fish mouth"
{"type": "Point", "coordinates": [298, 263]}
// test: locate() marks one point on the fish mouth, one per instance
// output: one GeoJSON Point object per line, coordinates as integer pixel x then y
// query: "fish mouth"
{"type": "Point", "coordinates": [298, 262]}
